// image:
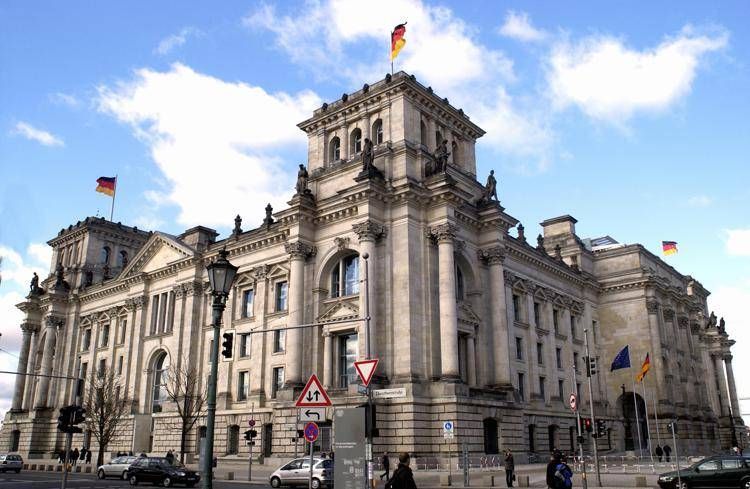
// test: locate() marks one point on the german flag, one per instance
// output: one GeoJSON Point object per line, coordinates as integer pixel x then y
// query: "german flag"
{"type": "Point", "coordinates": [669, 247]}
{"type": "Point", "coordinates": [106, 185]}
{"type": "Point", "coordinates": [397, 40]}
{"type": "Point", "coordinates": [644, 369]}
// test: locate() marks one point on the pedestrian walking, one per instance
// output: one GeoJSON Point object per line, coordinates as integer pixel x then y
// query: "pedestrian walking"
{"type": "Point", "coordinates": [170, 457]}
{"type": "Point", "coordinates": [667, 451]}
{"type": "Point", "coordinates": [510, 468]}
{"type": "Point", "coordinates": [386, 467]}
{"type": "Point", "coordinates": [402, 478]}
{"type": "Point", "coordinates": [554, 460]}
{"type": "Point", "coordinates": [658, 452]}
{"type": "Point", "coordinates": [563, 476]}
{"type": "Point", "coordinates": [88, 457]}
{"type": "Point", "coordinates": [74, 456]}
{"type": "Point", "coordinates": [82, 456]}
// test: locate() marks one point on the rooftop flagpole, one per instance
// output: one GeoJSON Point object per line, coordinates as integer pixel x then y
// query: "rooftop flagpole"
{"type": "Point", "coordinates": [114, 194]}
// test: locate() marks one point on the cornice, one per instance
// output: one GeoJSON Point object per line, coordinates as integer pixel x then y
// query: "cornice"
{"type": "Point", "coordinates": [529, 286]}
{"type": "Point", "coordinates": [530, 255]}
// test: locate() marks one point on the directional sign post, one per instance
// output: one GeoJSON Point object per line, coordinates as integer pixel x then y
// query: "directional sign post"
{"type": "Point", "coordinates": [313, 395]}
{"type": "Point", "coordinates": [365, 369]}
{"type": "Point", "coordinates": [312, 414]}
{"type": "Point", "coordinates": [311, 434]}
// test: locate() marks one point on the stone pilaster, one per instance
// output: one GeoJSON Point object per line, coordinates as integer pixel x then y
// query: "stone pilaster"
{"type": "Point", "coordinates": [494, 258]}
{"type": "Point", "coordinates": [51, 325]}
{"type": "Point", "coordinates": [732, 387]}
{"type": "Point", "coordinates": [23, 361]}
{"type": "Point", "coordinates": [445, 235]}
{"type": "Point", "coordinates": [327, 360]}
{"type": "Point", "coordinates": [652, 307]}
{"type": "Point", "coordinates": [298, 253]}
{"type": "Point", "coordinates": [471, 360]}
{"type": "Point", "coordinates": [721, 379]}
{"type": "Point", "coordinates": [369, 232]}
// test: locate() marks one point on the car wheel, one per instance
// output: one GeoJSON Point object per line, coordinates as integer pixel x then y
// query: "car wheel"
{"type": "Point", "coordinates": [133, 480]}
{"type": "Point", "coordinates": [684, 485]}
{"type": "Point", "coordinates": [124, 475]}
{"type": "Point", "coordinates": [315, 484]}
{"type": "Point", "coordinates": [100, 474]}
{"type": "Point", "coordinates": [167, 482]}
{"type": "Point", "coordinates": [746, 484]}
{"type": "Point", "coordinates": [275, 482]}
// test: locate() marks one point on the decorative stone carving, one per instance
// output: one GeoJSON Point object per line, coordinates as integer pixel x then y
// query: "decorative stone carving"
{"type": "Point", "coordinates": [540, 243]}
{"type": "Point", "coordinates": [27, 327]}
{"type": "Point", "coordinates": [711, 321]}
{"type": "Point", "coordinates": [299, 250]}
{"type": "Point", "coordinates": [194, 288]}
{"type": "Point", "coordinates": [668, 314]}
{"type": "Point", "coordinates": [179, 292]}
{"type": "Point", "coordinates": [369, 230]}
{"type": "Point", "coordinates": [369, 170]}
{"type": "Point", "coordinates": [268, 220]}
{"type": "Point", "coordinates": [260, 272]}
{"type": "Point", "coordinates": [54, 322]}
{"type": "Point", "coordinates": [237, 226]}
{"type": "Point", "coordinates": [558, 252]}
{"type": "Point", "coordinates": [341, 243]}
{"type": "Point", "coordinates": [652, 306]}
{"type": "Point", "coordinates": [521, 235]}
{"type": "Point", "coordinates": [302, 178]}
{"type": "Point", "coordinates": [722, 325]}
{"type": "Point", "coordinates": [682, 321]}
{"type": "Point", "coordinates": [492, 256]}
{"type": "Point", "coordinates": [443, 233]}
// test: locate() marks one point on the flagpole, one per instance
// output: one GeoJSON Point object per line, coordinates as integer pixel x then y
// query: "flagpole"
{"type": "Point", "coordinates": [112, 209]}
{"type": "Point", "coordinates": [648, 426]}
{"type": "Point", "coordinates": [637, 421]}
{"type": "Point", "coordinates": [656, 420]}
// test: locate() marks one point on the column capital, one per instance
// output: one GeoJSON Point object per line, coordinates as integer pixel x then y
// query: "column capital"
{"type": "Point", "coordinates": [54, 322]}
{"type": "Point", "coordinates": [668, 314]}
{"type": "Point", "coordinates": [136, 302]}
{"type": "Point", "coordinates": [492, 256]}
{"type": "Point", "coordinates": [369, 230]}
{"type": "Point", "coordinates": [443, 233]}
{"type": "Point", "coordinates": [727, 358]}
{"type": "Point", "coordinates": [682, 321]}
{"type": "Point", "coordinates": [29, 328]}
{"type": "Point", "coordinates": [299, 250]}
{"type": "Point", "coordinates": [652, 306]}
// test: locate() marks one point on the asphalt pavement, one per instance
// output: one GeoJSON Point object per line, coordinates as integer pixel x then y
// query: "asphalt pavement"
{"type": "Point", "coordinates": [52, 480]}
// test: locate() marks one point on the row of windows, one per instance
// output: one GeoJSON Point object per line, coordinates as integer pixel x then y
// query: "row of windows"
{"type": "Point", "coordinates": [104, 335]}
{"type": "Point", "coordinates": [355, 141]}
{"type": "Point", "coordinates": [243, 383]}
{"type": "Point", "coordinates": [162, 312]}
{"type": "Point", "coordinates": [540, 354]}
{"type": "Point", "coordinates": [538, 318]}
{"type": "Point", "coordinates": [542, 387]}
{"type": "Point", "coordinates": [106, 255]}
{"type": "Point", "coordinates": [281, 303]}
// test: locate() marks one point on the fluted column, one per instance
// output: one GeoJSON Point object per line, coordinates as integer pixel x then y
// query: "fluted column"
{"type": "Point", "coordinates": [445, 234]}
{"type": "Point", "coordinates": [494, 257]}
{"type": "Point", "coordinates": [29, 394]}
{"type": "Point", "coordinates": [652, 307]}
{"type": "Point", "coordinates": [23, 361]}
{"type": "Point", "coordinates": [471, 360]}
{"type": "Point", "coordinates": [298, 253]}
{"type": "Point", "coordinates": [327, 360]}
{"type": "Point", "coordinates": [51, 324]}
{"type": "Point", "coordinates": [369, 233]}
{"type": "Point", "coordinates": [732, 386]}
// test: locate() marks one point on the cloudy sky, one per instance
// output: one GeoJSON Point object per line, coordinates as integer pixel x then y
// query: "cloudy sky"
{"type": "Point", "coordinates": [630, 116]}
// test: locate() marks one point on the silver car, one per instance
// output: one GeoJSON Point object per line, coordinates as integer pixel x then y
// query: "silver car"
{"type": "Point", "coordinates": [11, 462]}
{"type": "Point", "coordinates": [297, 473]}
{"type": "Point", "coordinates": [117, 467]}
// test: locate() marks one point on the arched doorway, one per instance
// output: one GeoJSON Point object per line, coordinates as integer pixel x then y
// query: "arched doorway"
{"type": "Point", "coordinates": [629, 404]}
{"type": "Point", "coordinates": [490, 436]}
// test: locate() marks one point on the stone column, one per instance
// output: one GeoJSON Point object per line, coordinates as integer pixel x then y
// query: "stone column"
{"type": "Point", "coordinates": [445, 235]}
{"type": "Point", "coordinates": [28, 395]}
{"type": "Point", "coordinates": [494, 257]}
{"type": "Point", "coordinates": [327, 360]}
{"type": "Point", "coordinates": [344, 138]}
{"type": "Point", "coordinates": [471, 360]}
{"type": "Point", "coordinates": [719, 370]}
{"type": "Point", "coordinates": [652, 307]}
{"type": "Point", "coordinates": [23, 361]}
{"type": "Point", "coordinates": [369, 232]}
{"type": "Point", "coordinates": [51, 323]}
{"type": "Point", "coordinates": [298, 253]}
{"type": "Point", "coordinates": [732, 387]}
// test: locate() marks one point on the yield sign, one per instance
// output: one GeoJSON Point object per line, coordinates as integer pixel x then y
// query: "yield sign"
{"type": "Point", "coordinates": [365, 369]}
{"type": "Point", "coordinates": [313, 395]}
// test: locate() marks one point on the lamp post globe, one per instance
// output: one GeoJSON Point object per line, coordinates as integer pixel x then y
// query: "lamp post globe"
{"type": "Point", "coordinates": [221, 274]}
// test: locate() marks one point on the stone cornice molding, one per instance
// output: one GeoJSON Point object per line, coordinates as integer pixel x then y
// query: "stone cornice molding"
{"type": "Point", "coordinates": [668, 314]}
{"type": "Point", "coordinates": [443, 233]}
{"type": "Point", "coordinates": [494, 255]}
{"type": "Point", "coordinates": [652, 306]}
{"type": "Point", "coordinates": [529, 255]}
{"type": "Point", "coordinates": [369, 230]}
{"type": "Point", "coordinates": [552, 296]}
{"type": "Point", "coordinates": [299, 250]}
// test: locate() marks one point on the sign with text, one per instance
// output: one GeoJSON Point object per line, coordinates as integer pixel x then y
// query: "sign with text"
{"type": "Point", "coordinates": [349, 447]}
{"type": "Point", "coordinates": [389, 393]}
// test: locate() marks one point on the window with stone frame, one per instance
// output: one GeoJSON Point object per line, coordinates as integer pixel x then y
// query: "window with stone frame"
{"type": "Point", "coordinates": [104, 336]}
{"type": "Point", "coordinates": [459, 284]}
{"type": "Point", "coordinates": [575, 361]}
{"type": "Point", "coordinates": [279, 340]}
{"type": "Point", "coordinates": [122, 259]}
{"type": "Point", "coordinates": [282, 291]}
{"type": "Point", "coordinates": [542, 384]}
{"type": "Point", "coordinates": [377, 132]}
{"type": "Point", "coordinates": [248, 298]}
{"type": "Point", "coordinates": [423, 133]}
{"type": "Point", "coordinates": [105, 255]}
{"type": "Point", "coordinates": [159, 382]}
{"type": "Point", "coordinates": [347, 354]}
{"type": "Point", "coordinates": [519, 348]}
{"type": "Point", "coordinates": [355, 142]}
{"type": "Point", "coordinates": [558, 357]}
{"type": "Point", "coordinates": [345, 277]}
{"type": "Point", "coordinates": [245, 344]}
{"type": "Point", "coordinates": [243, 379]}
{"type": "Point", "coordinates": [102, 368]}
{"type": "Point", "coordinates": [556, 320]}
{"type": "Point", "coordinates": [455, 152]}
{"type": "Point", "coordinates": [123, 330]}
{"type": "Point", "coordinates": [537, 314]}
{"type": "Point", "coordinates": [334, 153]}
{"type": "Point", "coordinates": [119, 365]}
{"type": "Point", "coordinates": [540, 353]}
{"type": "Point", "coordinates": [277, 382]}
{"type": "Point", "coordinates": [86, 339]}
{"type": "Point", "coordinates": [573, 320]}
{"type": "Point", "coordinates": [560, 388]}
{"type": "Point", "coordinates": [521, 386]}
{"type": "Point", "coordinates": [516, 308]}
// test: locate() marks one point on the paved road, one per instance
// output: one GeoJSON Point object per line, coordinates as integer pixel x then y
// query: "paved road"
{"type": "Point", "coordinates": [52, 480]}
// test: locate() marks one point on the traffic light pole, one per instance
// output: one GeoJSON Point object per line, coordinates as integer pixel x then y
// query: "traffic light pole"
{"type": "Point", "coordinates": [207, 462]}
{"type": "Point", "coordinates": [579, 439]}
{"type": "Point", "coordinates": [593, 416]}
{"type": "Point", "coordinates": [77, 396]}
{"type": "Point", "coordinates": [371, 420]}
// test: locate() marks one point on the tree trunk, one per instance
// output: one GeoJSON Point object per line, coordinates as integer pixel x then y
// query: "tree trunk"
{"type": "Point", "coordinates": [183, 442]}
{"type": "Point", "coordinates": [100, 456]}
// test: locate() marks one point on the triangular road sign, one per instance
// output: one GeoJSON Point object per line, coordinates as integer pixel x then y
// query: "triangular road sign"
{"type": "Point", "coordinates": [313, 395]}
{"type": "Point", "coordinates": [365, 369]}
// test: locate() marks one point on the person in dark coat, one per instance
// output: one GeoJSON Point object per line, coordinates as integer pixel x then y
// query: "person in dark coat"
{"type": "Point", "coordinates": [170, 457]}
{"type": "Point", "coordinates": [667, 451]}
{"type": "Point", "coordinates": [510, 468]}
{"type": "Point", "coordinates": [403, 478]}
{"type": "Point", "coordinates": [82, 456]}
{"type": "Point", "coordinates": [658, 452]}
{"type": "Point", "coordinates": [386, 467]}
{"type": "Point", "coordinates": [554, 460]}
{"type": "Point", "coordinates": [88, 456]}
{"type": "Point", "coordinates": [74, 456]}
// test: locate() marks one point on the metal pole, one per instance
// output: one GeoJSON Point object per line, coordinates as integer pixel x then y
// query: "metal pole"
{"type": "Point", "coordinates": [311, 465]}
{"type": "Point", "coordinates": [580, 433]}
{"type": "Point", "coordinates": [593, 416]}
{"type": "Point", "coordinates": [252, 440]}
{"type": "Point", "coordinates": [207, 462]}
{"type": "Point", "coordinates": [637, 421]}
{"type": "Point", "coordinates": [368, 450]}
{"type": "Point", "coordinates": [656, 418]}
{"type": "Point", "coordinates": [676, 453]}
{"type": "Point", "coordinates": [648, 425]}
{"type": "Point", "coordinates": [76, 395]}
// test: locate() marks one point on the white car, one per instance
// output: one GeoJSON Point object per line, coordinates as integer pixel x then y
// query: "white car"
{"type": "Point", "coordinates": [297, 473]}
{"type": "Point", "coordinates": [117, 467]}
{"type": "Point", "coordinates": [11, 462]}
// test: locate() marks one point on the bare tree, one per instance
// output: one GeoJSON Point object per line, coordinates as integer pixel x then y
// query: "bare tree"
{"type": "Point", "coordinates": [107, 405]}
{"type": "Point", "coordinates": [183, 390]}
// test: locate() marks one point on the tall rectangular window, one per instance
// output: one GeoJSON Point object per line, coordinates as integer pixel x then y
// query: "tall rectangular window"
{"type": "Point", "coordinates": [519, 348]}
{"type": "Point", "coordinates": [86, 340]}
{"type": "Point", "coordinates": [278, 381]}
{"type": "Point", "coordinates": [102, 367]}
{"type": "Point", "coordinates": [556, 320]}
{"type": "Point", "coordinates": [521, 387]}
{"type": "Point", "coordinates": [560, 388]}
{"type": "Point", "coordinates": [537, 315]}
{"type": "Point", "coordinates": [84, 370]}
{"type": "Point", "coordinates": [575, 361]}
{"type": "Point", "coordinates": [123, 330]}
{"type": "Point", "coordinates": [558, 357]}
{"type": "Point", "coordinates": [248, 297]}
{"type": "Point", "coordinates": [542, 394]}
{"type": "Point", "coordinates": [154, 314]}
{"type": "Point", "coordinates": [163, 306]}
{"type": "Point", "coordinates": [572, 326]}
{"type": "Point", "coordinates": [282, 289]}
{"type": "Point", "coordinates": [105, 335]}
{"type": "Point", "coordinates": [516, 307]}
{"type": "Point", "coordinates": [245, 345]}
{"type": "Point", "coordinates": [540, 354]}
{"type": "Point", "coordinates": [347, 357]}
{"type": "Point", "coordinates": [119, 365]}
{"type": "Point", "coordinates": [170, 312]}
{"type": "Point", "coordinates": [242, 385]}
{"type": "Point", "coordinates": [279, 338]}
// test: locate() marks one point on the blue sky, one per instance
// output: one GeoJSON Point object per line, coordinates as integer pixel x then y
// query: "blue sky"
{"type": "Point", "coordinates": [632, 117]}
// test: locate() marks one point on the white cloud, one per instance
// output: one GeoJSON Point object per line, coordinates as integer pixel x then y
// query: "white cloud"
{"type": "Point", "coordinates": [32, 133]}
{"type": "Point", "coordinates": [61, 98]}
{"type": "Point", "coordinates": [169, 43]}
{"type": "Point", "coordinates": [518, 26]}
{"type": "Point", "coordinates": [700, 201]}
{"type": "Point", "coordinates": [219, 145]}
{"type": "Point", "coordinates": [610, 81]}
{"type": "Point", "coordinates": [738, 242]}
{"type": "Point", "coordinates": [15, 268]}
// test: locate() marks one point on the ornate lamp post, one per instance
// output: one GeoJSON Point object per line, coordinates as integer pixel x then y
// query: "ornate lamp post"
{"type": "Point", "coordinates": [221, 275]}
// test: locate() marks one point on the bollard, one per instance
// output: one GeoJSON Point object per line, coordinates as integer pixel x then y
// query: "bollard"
{"type": "Point", "coordinates": [230, 476]}
{"type": "Point", "coordinates": [50, 468]}
{"type": "Point", "coordinates": [445, 480]}
{"type": "Point", "coordinates": [87, 469]}
{"type": "Point", "coordinates": [523, 480]}
{"type": "Point", "coordinates": [58, 468]}
{"type": "Point", "coordinates": [640, 481]}
{"type": "Point", "coordinates": [488, 481]}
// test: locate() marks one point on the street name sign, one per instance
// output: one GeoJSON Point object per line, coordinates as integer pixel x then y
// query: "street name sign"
{"type": "Point", "coordinates": [313, 395]}
{"type": "Point", "coordinates": [365, 369]}
{"type": "Point", "coordinates": [389, 393]}
{"type": "Point", "coordinates": [312, 414]}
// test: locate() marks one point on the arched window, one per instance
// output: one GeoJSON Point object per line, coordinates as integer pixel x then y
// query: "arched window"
{"type": "Point", "coordinates": [345, 277]}
{"type": "Point", "coordinates": [355, 142]}
{"type": "Point", "coordinates": [233, 440]}
{"type": "Point", "coordinates": [122, 259]}
{"type": "Point", "coordinates": [454, 152]}
{"type": "Point", "coordinates": [377, 132]}
{"type": "Point", "coordinates": [490, 436]}
{"type": "Point", "coordinates": [335, 150]}
{"type": "Point", "coordinates": [105, 255]}
{"type": "Point", "coordinates": [459, 284]}
{"type": "Point", "coordinates": [423, 133]}
{"type": "Point", "coordinates": [159, 384]}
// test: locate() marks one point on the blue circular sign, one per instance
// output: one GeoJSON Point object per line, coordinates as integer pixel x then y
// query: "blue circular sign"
{"type": "Point", "coordinates": [448, 426]}
{"type": "Point", "coordinates": [311, 432]}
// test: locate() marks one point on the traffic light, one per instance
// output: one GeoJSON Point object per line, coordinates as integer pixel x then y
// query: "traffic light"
{"type": "Point", "coordinates": [587, 425]}
{"type": "Point", "coordinates": [227, 344]}
{"type": "Point", "coordinates": [63, 421]}
{"type": "Point", "coordinates": [253, 433]}
{"type": "Point", "coordinates": [601, 428]}
{"type": "Point", "coordinates": [590, 366]}
{"type": "Point", "coordinates": [79, 415]}
{"type": "Point", "coordinates": [248, 435]}
{"type": "Point", "coordinates": [371, 422]}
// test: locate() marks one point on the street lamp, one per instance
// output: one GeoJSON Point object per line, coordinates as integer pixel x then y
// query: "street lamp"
{"type": "Point", "coordinates": [221, 275]}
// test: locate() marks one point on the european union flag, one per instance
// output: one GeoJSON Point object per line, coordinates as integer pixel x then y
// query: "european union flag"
{"type": "Point", "coordinates": [622, 360]}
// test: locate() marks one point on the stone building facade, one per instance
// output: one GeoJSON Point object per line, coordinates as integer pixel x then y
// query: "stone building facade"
{"type": "Point", "coordinates": [479, 325]}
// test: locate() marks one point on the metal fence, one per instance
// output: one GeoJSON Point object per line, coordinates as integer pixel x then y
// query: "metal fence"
{"type": "Point", "coordinates": [622, 464]}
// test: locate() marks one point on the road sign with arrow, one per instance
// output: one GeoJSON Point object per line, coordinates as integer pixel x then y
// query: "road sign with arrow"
{"type": "Point", "coordinates": [312, 414]}
{"type": "Point", "coordinates": [313, 395]}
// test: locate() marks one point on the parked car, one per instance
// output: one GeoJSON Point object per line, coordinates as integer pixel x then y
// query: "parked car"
{"type": "Point", "coordinates": [158, 470]}
{"type": "Point", "coordinates": [297, 473]}
{"type": "Point", "coordinates": [11, 462]}
{"type": "Point", "coordinates": [117, 467]}
{"type": "Point", "coordinates": [717, 471]}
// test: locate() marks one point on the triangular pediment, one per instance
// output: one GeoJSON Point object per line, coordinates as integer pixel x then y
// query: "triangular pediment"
{"type": "Point", "coordinates": [161, 250]}
{"type": "Point", "coordinates": [340, 310]}
{"type": "Point", "coordinates": [467, 315]}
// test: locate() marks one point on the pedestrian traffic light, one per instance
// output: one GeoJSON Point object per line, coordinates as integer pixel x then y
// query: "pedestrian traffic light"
{"type": "Point", "coordinates": [79, 415]}
{"type": "Point", "coordinates": [253, 433]}
{"type": "Point", "coordinates": [63, 421]}
{"type": "Point", "coordinates": [587, 424]}
{"type": "Point", "coordinates": [590, 366]}
{"type": "Point", "coordinates": [227, 344]}
{"type": "Point", "coordinates": [248, 435]}
{"type": "Point", "coordinates": [601, 428]}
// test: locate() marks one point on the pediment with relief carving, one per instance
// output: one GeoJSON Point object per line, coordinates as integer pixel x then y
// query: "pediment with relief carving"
{"type": "Point", "coordinates": [340, 310]}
